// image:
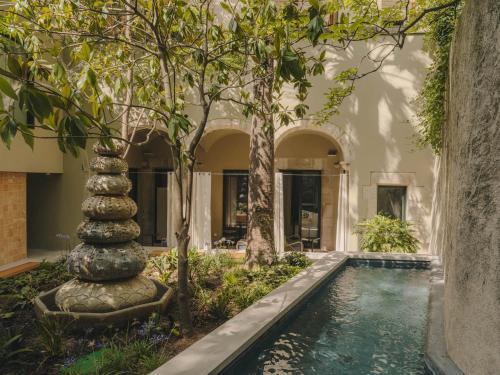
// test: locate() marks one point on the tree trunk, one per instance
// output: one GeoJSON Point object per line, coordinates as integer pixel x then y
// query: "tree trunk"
{"type": "Point", "coordinates": [183, 281]}
{"type": "Point", "coordinates": [183, 238]}
{"type": "Point", "coordinates": [261, 249]}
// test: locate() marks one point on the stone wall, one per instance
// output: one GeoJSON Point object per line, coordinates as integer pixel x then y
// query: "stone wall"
{"type": "Point", "coordinates": [12, 217]}
{"type": "Point", "coordinates": [468, 193]}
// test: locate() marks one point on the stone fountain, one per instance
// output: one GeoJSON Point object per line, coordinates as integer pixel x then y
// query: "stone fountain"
{"type": "Point", "coordinates": [108, 263]}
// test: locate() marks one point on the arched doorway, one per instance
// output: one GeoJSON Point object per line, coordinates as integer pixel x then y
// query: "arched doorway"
{"type": "Point", "coordinates": [310, 162]}
{"type": "Point", "coordinates": [224, 153]}
{"type": "Point", "coordinates": [149, 165]}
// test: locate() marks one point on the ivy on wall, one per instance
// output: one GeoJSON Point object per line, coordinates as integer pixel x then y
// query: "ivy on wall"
{"type": "Point", "coordinates": [432, 98]}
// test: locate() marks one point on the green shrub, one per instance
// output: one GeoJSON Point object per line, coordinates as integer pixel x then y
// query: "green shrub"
{"type": "Point", "coordinates": [23, 288]}
{"type": "Point", "coordinates": [205, 270]}
{"type": "Point", "coordinates": [274, 276]}
{"type": "Point", "coordinates": [51, 335]}
{"type": "Point", "coordinates": [385, 234]}
{"type": "Point", "coordinates": [298, 259]}
{"type": "Point", "coordinates": [245, 296]}
{"type": "Point", "coordinates": [432, 98]}
{"type": "Point", "coordinates": [165, 265]}
{"type": "Point", "coordinates": [151, 362]}
{"type": "Point", "coordinates": [201, 300]}
{"type": "Point", "coordinates": [220, 305]}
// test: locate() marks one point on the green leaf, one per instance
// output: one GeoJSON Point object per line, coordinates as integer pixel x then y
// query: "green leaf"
{"type": "Point", "coordinates": [57, 101]}
{"type": "Point", "coordinates": [14, 66]}
{"type": "Point", "coordinates": [91, 78]}
{"type": "Point", "coordinates": [8, 130]}
{"type": "Point", "coordinates": [233, 26]}
{"type": "Point", "coordinates": [177, 123]}
{"type": "Point", "coordinates": [79, 133]}
{"type": "Point", "coordinates": [39, 103]}
{"type": "Point", "coordinates": [226, 7]}
{"type": "Point", "coordinates": [7, 89]}
{"type": "Point", "coordinates": [314, 3]}
{"type": "Point", "coordinates": [290, 12]}
{"type": "Point", "coordinates": [28, 137]}
{"type": "Point", "coordinates": [84, 52]}
{"type": "Point", "coordinates": [290, 66]}
{"type": "Point", "coordinates": [188, 77]}
{"type": "Point", "coordinates": [260, 50]}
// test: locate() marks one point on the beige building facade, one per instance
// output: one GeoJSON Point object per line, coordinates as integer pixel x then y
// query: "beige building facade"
{"type": "Point", "coordinates": [371, 142]}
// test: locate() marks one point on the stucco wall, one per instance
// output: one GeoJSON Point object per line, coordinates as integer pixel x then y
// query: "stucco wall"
{"type": "Point", "coordinates": [54, 203]}
{"type": "Point", "coordinates": [44, 158]}
{"type": "Point", "coordinates": [469, 191]}
{"type": "Point", "coordinates": [215, 155]}
{"type": "Point", "coordinates": [12, 217]}
{"type": "Point", "coordinates": [374, 131]}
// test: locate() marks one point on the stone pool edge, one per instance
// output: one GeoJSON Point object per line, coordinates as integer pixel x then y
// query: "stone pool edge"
{"type": "Point", "coordinates": [435, 354]}
{"type": "Point", "coordinates": [215, 351]}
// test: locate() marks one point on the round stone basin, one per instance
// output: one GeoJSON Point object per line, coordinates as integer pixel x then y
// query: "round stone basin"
{"type": "Point", "coordinates": [45, 308]}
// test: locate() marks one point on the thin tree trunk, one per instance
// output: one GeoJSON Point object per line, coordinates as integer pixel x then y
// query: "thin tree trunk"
{"type": "Point", "coordinates": [183, 238]}
{"type": "Point", "coordinates": [183, 280]}
{"type": "Point", "coordinates": [130, 88]}
{"type": "Point", "coordinates": [261, 249]}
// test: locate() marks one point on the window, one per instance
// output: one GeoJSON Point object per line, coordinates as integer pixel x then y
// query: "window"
{"type": "Point", "coordinates": [391, 201]}
{"type": "Point", "coordinates": [235, 192]}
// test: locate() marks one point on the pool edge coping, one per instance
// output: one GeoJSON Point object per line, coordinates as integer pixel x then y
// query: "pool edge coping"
{"type": "Point", "coordinates": [220, 348]}
{"type": "Point", "coordinates": [435, 352]}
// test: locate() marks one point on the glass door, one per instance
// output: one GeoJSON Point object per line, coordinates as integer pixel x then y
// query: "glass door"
{"type": "Point", "coordinates": [235, 204]}
{"type": "Point", "coordinates": [302, 207]}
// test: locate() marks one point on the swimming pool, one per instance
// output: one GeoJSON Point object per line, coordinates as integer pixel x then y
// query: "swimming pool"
{"type": "Point", "coordinates": [366, 320]}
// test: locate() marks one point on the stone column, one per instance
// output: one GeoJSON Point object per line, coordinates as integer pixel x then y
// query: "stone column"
{"type": "Point", "coordinates": [108, 262]}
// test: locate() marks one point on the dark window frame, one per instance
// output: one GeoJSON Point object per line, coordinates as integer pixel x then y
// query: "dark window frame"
{"type": "Point", "coordinates": [226, 173]}
{"type": "Point", "coordinates": [161, 180]}
{"type": "Point", "coordinates": [403, 196]}
{"type": "Point", "coordinates": [318, 175]}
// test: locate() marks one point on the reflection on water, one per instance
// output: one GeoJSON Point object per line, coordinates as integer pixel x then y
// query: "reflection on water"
{"type": "Point", "coordinates": [367, 321]}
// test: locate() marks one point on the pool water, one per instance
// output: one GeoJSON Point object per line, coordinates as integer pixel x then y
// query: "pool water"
{"type": "Point", "coordinates": [365, 321]}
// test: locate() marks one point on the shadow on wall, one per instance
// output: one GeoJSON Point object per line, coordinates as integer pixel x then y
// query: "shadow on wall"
{"type": "Point", "coordinates": [377, 123]}
{"type": "Point", "coordinates": [54, 204]}
{"type": "Point", "coordinates": [378, 119]}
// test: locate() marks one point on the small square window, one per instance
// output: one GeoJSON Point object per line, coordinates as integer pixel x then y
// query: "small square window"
{"type": "Point", "coordinates": [391, 201]}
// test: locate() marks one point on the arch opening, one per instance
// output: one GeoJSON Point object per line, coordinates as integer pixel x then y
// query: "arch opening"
{"type": "Point", "coordinates": [224, 153]}
{"type": "Point", "coordinates": [310, 162]}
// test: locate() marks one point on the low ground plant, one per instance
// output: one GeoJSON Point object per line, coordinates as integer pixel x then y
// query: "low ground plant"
{"type": "Point", "coordinates": [23, 288]}
{"type": "Point", "coordinates": [221, 287]}
{"type": "Point", "coordinates": [385, 234]}
{"type": "Point", "coordinates": [297, 258]}
{"type": "Point", "coordinates": [11, 346]}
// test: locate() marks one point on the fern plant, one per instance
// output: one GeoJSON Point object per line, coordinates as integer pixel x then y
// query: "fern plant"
{"type": "Point", "coordinates": [385, 234]}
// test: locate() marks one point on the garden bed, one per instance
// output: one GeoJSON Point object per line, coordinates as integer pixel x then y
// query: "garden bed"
{"type": "Point", "coordinates": [221, 287]}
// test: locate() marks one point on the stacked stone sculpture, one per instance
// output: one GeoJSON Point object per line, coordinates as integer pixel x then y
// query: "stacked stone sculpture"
{"type": "Point", "coordinates": [108, 262]}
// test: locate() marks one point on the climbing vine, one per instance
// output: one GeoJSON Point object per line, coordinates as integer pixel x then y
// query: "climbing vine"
{"type": "Point", "coordinates": [432, 98]}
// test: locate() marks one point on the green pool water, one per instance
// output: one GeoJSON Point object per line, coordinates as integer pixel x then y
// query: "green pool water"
{"type": "Point", "coordinates": [365, 321]}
